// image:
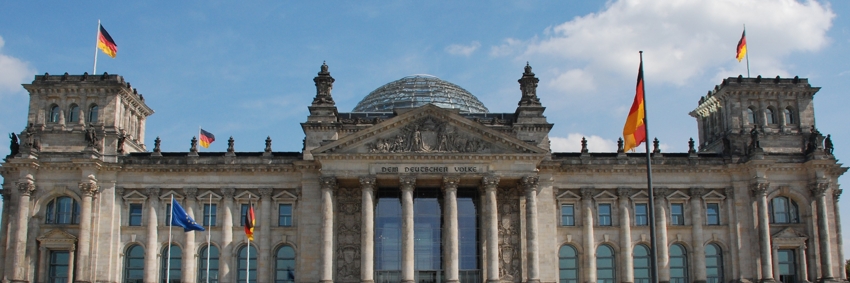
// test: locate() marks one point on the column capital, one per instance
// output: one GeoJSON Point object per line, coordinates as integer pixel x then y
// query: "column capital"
{"type": "Point", "coordinates": [228, 193]}
{"type": "Point", "coordinates": [191, 193]}
{"type": "Point", "coordinates": [836, 193]}
{"type": "Point", "coordinates": [450, 183]}
{"type": "Point", "coordinates": [266, 193]}
{"type": "Point", "coordinates": [760, 188]}
{"type": "Point", "coordinates": [730, 193]}
{"type": "Point", "coordinates": [153, 193]}
{"type": "Point", "coordinates": [490, 182]}
{"type": "Point", "coordinates": [368, 182]}
{"type": "Point", "coordinates": [819, 189]}
{"type": "Point", "coordinates": [26, 185]}
{"type": "Point", "coordinates": [696, 193]}
{"type": "Point", "coordinates": [624, 192]}
{"type": "Point", "coordinates": [587, 193]}
{"type": "Point", "coordinates": [660, 193]}
{"type": "Point", "coordinates": [89, 186]}
{"type": "Point", "coordinates": [529, 183]}
{"type": "Point", "coordinates": [328, 182]}
{"type": "Point", "coordinates": [407, 182]}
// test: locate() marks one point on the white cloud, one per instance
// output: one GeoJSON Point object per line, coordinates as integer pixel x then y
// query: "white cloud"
{"type": "Point", "coordinates": [572, 143]}
{"type": "Point", "coordinates": [510, 46]}
{"type": "Point", "coordinates": [463, 50]}
{"type": "Point", "coordinates": [573, 81]}
{"type": "Point", "coordinates": [683, 39]}
{"type": "Point", "coordinates": [13, 72]}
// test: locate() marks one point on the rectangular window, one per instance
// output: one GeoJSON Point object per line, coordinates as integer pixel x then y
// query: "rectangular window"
{"type": "Point", "coordinates": [641, 214]}
{"type": "Point", "coordinates": [242, 215]}
{"type": "Point", "coordinates": [568, 215]}
{"type": "Point", "coordinates": [135, 218]}
{"type": "Point", "coordinates": [58, 269]}
{"type": "Point", "coordinates": [604, 211]}
{"type": "Point", "coordinates": [209, 214]}
{"type": "Point", "coordinates": [284, 215]}
{"type": "Point", "coordinates": [712, 214]}
{"type": "Point", "coordinates": [167, 214]}
{"type": "Point", "coordinates": [677, 214]}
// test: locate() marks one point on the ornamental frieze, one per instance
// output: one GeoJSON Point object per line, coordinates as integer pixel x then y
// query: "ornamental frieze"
{"type": "Point", "coordinates": [429, 135]}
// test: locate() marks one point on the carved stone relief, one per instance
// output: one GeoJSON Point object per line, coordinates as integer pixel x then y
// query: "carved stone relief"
{"type": "Point", "coordinates": [510, 261]}
{"type": "Point", "coordinates": [348, 235]}
{"type": "Point", "coordinates": [429, 135]}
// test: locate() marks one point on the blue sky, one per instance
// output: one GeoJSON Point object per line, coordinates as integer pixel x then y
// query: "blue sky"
{"type": "Point", "coordinates": [245, 69]}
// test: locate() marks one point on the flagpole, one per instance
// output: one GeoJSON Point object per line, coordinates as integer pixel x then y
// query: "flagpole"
{"type": "Point", "coordinates": [748, 53]}
{"type": "Point", "coordinates": [209, 231]}
{"type": "Point", "coordinates": [653, 246]}
{"type": "Point", "coordinates": [97, 40]}
{"type": "Point", "coordinates": [199, 136]}
{"type": "Point", "coordinates": [168, 265]}
{"type": "Point", "coordinates": [248, 248]}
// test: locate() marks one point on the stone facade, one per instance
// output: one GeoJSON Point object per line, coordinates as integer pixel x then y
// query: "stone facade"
{"type": "Point", "coordinates": [755, 201]}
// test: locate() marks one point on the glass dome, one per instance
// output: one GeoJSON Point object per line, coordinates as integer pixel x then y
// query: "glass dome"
{"type": "Point", "coordinates": [419, 90]}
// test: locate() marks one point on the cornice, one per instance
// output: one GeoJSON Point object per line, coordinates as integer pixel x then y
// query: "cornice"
{"type": "Point", "coordinates": [431, 156]}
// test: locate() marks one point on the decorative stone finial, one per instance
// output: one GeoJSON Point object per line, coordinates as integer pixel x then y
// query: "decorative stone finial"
{"type": "Point", "coordinates": [268, 144]}
{"type": "Point", "coordinates": [324, 85]}
{"type": "Point", "coordinates": [194, 146]}
{"type": "Point", "coordinates": [620, 145]}
{"type": "Point", "coordinates": [655, 148]}
{"type": "Point", "coordinates": [583, 145]}
{"type": "Point", "coordinates": [156, 144]}
{"type": "Point", "coordinates": [230, 145]}
{"type": "Point", "coordinates": [528, 86]}
{"type": "Point", "coordinates": [691, 148]}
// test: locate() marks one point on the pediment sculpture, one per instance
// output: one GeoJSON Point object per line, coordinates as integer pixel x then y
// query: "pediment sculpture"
{"type": "Point", "coordinates": [429, 135]}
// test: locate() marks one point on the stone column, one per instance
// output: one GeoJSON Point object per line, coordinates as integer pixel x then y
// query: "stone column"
{"type": "Point", "coordinates": [152, 246]}
{"type": "Point", "coordinates": [589, 241]}
{"type": "Point", "coordinates": [819, 191]}
{"type": "Point", "coordinates": [663, 256]}
{"type": "Point", "coordinates": [451, 250]}
{"type": "Point", "coordinates": [734, 226]}
{"type": "Point", "coordinates": [367, 230]}
{"type": "Point", "coordinates": [801, 258]}
{"type": "Point", "coordinates": [264, 260]}
{"type": "Point", "coordinates": [627, 268]}
{"type": "Point", "coordinates": [88, 188]}
{"type": "Point", "coordinates": [530, 185]}
{"type": "Point", "coordinates": [407, 183]}
{"type": "Point", "coordinates": [696, 231]}
{"type": "Point", "coordinates": [190, 261]}
{"type": "Point", "coordinates": [26, 186]}
{"type": "Point", "coordinates": [490, 184]}
{"type": "Point", "coordinates": [760, 192]}
{"type": "Point", "coordinates": [226, 253]}
{"type": "Point", "coordinates": [328, 184]}
{"type": "Point", "coordinates": [4, 225]}
{"type": "Point", "coordinates": [836, 193]}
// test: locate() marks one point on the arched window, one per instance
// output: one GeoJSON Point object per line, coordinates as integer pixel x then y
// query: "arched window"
{"type": "Point", "coordinates": [789, 116]}
{"type": "Point", "coordinates": [678, 264]}
{"type": "Point", "coordinates": [62, 210]}
{"type": "Point", "coordinates": [176, 259]}
{"type": "Point", "coordinates": [713, 264]}
{"type": "Point", "coordinates": [605, 266]}
{"type": "Point", "coordinates": [74, 114]}
{"type": "Point", "coordinates": [284, 266]}
{"type": "Point", "coordinates": [243, 268]}
{"type": "Point", "coordinates": [568, 264]}
{"type": "Point", "coordinates": [768, 116]}
{"type": "Point", "coordinates": [783, 210]}
{"type": "Point", "coordinates": [134, 264]}
{"type": "Point", "coordinates": [208, 256]}
{"type": "Point", "coordinates": [92, 117]}
{"type": "Point", "coordinates": [53, 117]}
{"type": "Point", "coordinates": [751, 116]}
{"type": "Point", "coordinates": [641, 264]}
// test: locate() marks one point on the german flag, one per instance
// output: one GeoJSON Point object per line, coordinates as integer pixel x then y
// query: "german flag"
{"type": "Point", "coordinates": [634, 132]}
{"type": "Point", "coordinates": [742, 47]}
{"type": "Point", "coordinates": [206, 138]}
{"type": "Point", "coordinates": [249, 222]}
{"type": "Point", "coordinates": [105, 43]}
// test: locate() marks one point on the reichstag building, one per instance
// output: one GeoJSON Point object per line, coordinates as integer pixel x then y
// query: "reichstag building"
{"type": "Point", "coordinates": [420, 183]}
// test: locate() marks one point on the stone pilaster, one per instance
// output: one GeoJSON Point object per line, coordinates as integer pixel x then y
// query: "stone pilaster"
{"type": "Point", "coordinates": [226, 249]}
{"type": "Point", "coordinates": [836, 193]}
{"type": "Point", "coordinates": [760, 193]}
{"type": "Point", "coordinates": [490, 184]}
{"type": "Point", "coordinates": [26, 186]}
{"type": "Point", "coordinates": [697, 237]}
{"type": "Point", "coordinates": [451, 250]}
{"type": "Point", "coordinates": [152, 249]}
{"type": "Point", "coordinates": [328, 184]}
{"type": "Point", "coordinates": [407, 184]}
{"type": "Point", "coordinates": [627, 269]}
{"type": "Point", "coordinates": [819, 191]}
{"type": "Point", "coordinates": [734, 235]}
{"type": "Point", "coordinates": [588, 241]}
{"type": "Point", "coordinates": [530, 185]}
{"type": "Point", "coordinates": [4, 226]}
{"type": "Point", "coordinates": [663, 255]}
{"type": "Point", "coordinates": [264, 263]}
{"type": "Point", "coordinates": [367, 229]}
{"type": "Point", "coordinates": [88, 188]}
{"type": "Point", "coordinates": [190, 261]}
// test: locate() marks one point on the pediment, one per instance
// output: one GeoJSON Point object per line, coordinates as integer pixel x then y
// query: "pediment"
{"type": "Point", "coordinates": [285, 196]}
{"type": "Point", "coordinates": [605, 195]}
{"type": "Point", "coordinates": [713, 195]}
{"type": "Point", "coordinates": [246, 196]}
{"type": "Point", "coordinates": [568, 196]}
{"type": "Point", "coordinates": [135, 196]}
{"type": "Point", "coordinates": [206, 196]}
{"type": "Point", "coordinates": [428, 130]}
{"type": "Point", "coordinates": [57, 235]}
{"type": "Point", "coordinates": [789, 233]}
{"type": "Point", "coordinates": [640, 196]}
{"type": "Point", "coordinates": [678, 195]}
{"type": "Point", "coordinates": [167, 195]}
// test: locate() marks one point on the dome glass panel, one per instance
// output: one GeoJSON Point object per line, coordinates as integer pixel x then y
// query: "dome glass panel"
{"type": "Point", "coordinates": [418, 90]}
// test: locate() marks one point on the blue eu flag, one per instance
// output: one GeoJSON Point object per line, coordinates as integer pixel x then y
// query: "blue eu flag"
{"type": "Point", "coordinates": [180, 218]}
